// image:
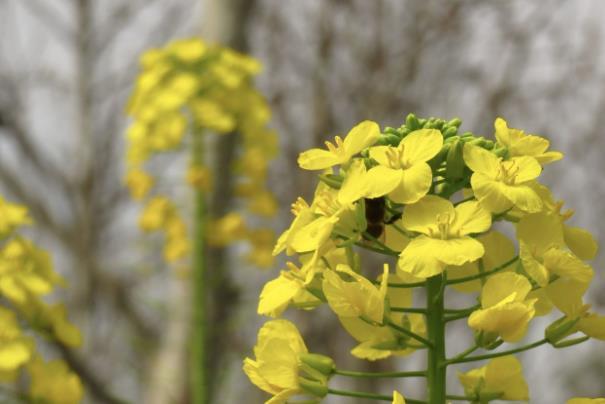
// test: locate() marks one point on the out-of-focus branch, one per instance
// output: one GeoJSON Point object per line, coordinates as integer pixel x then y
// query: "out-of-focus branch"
{"type": "Point", "coordinates": [88, 376]}
{"type": "Point", "coordinates": [46, 15]}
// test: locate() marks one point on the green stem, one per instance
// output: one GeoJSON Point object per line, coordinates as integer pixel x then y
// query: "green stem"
{"type": "Point", "coordinates": [361, 394]}
{"type": "Point", "coordinates": [380, 244]}
{"type": "Point", "coordinates": [407, 285]}
{"type": "Point", "coordinates": [410, 334]}
{"type": "Point", "coordinates": [199, 360]}
{"type": "Point", "coordinates": [497, 354]}
{"type": "Point", "coordinates": [436, 333]}
{"type": "Point", "coordinates": [461, 398]}
{"type": "Point", "coordinates": [378, 250]}
{"type": "Point", "coordinates": [408, 310]}
{"type": "Point", "coordinates": [465, 353]}
{"type": "Point", "coordinates": [483, 274]}
{"type": "Point", "coordinates": [353, 373]}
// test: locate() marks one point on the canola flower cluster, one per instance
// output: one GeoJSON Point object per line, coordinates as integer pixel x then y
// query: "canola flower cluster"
{"type": "Point", "coordinates": [26, 278]}
{"type": "Point", "coordinates": [190, 87]}
{"type": "Point", "coordinates": [433, 203]}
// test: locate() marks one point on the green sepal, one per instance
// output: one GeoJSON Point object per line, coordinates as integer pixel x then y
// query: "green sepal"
{"type": "Point", "coordinates": [321, 363]}
{"type": "Point", "coordinates": [314, 387]}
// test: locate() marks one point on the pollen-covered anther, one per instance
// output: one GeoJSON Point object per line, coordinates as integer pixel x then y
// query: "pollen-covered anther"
{"type": "Point", "coordinates": [336, 147]}
{"type": "Point", "coordinates": [395, 157]}
{"type": "Point", "coordinates": [508, 172]}
{"type": "Point", "coordinates": [298, 206]}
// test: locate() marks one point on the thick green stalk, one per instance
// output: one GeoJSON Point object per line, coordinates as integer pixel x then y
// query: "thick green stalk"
{"type": "Point", "coordinates": [199, 359]}
{"type": "Point", "coordinates": [436, 334]}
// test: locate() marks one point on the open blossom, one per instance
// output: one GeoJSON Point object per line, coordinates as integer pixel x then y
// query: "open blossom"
{"type": "Point", "coordinates": [505, 308]}
{"type": "Point", "coordinates": [275, 369]}
{"type": "Point", "coordinates": [359, 298]}
{"type": "Point", "coordinates": [402, 172]}
{"type": "Point", "coordinates": [444, 235]}
{"type": "Point", "coordinates": [519, 143]}
{"type": "Point", "coordinates": [361, 136]}
{"type": "Point", "coordinates": [542, 250]}
{"type": "Point", "coordinates": [502, 378]}
{"type": "Point", "coordinates": [503, 184]}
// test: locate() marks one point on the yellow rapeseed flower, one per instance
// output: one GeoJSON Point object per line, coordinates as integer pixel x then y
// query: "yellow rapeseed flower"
{"type": "Point", "coordinates": [505, 308]}
{"type": "Point", "coordinates": [500, 185]}
{"type": "Point", "coordinates": [275, 369]}
{"type": "Point", "coordinates": [361, 136]}
{"type": "Point", "coordinates": [444, 235]}
{"type": "Point", "coordinates": [520, 144]}
{"type": "Point", "coordinates": [502, 378]}
{"type": "Point", "coordinates": [54, 383]}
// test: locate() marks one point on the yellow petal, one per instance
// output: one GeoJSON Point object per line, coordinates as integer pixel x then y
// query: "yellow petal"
{"type": "Point", "coordinates": [415, 183]}
{"type": "Point", "coordinates": [398, 398]}
{"type": "Point", "coordinates": [481, 161]}
{"type": "Point", "coordinates": [317, 159]}
{"type": "Point", "coordinates": [593, 325]}
{"type": "Point", "coordinates": [381, 180]}
{"type": "Point", "coordinates": [565, 264]}
{"type": "Point", "coordinates": [508, 320]}
{"type": "Point", "coordinates": [277, 294]}
{"type": "Point", "coordinates": [580, 242]}
{"type": "Point", "coordinates": [425, 256]}
{"type": "Point", "coordinates": [528, 169]}
{"type": "Point", "coordinates": [566, 295]}
{"type": "Point", "coordinates": [490, 193]}
{"type": "Point", "coordinates": [471, 217]}
{"type": "Point", "coordinates": [505, 374]}
{"type": "Point", "coordinates": [540, 231]}
{"type": "Point", "coordinates": [523, 197]}
{"type": "Point", "coordinates": [422, 216]}
{"type": "Point", "coordinates": [361, 136]}
{"type": "Point", "coordinates": [421, 145]}
{"type": "Point", "coordinates": [499, 286]}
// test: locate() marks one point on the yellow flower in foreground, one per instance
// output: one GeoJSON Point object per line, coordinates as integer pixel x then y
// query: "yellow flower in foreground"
{"type": "Point", "coordinates": [444, 238]}
{"type": "Point", "coordinates": [505, 311]}
{"type": "Point", "coordinates": [500, 185]}
{"type": "Point", "coordinates": [502, 378]}
{"type": "Point", "coordinates": [275, 369]}
{"type": "Point", "coordinates": [398, 398]}
{"type": "Point", "coordinates": [358, 298]}
{"type": "Point", "coordinates": [520, 144]}
{"type": "Point", "coordinates": [381, 341]}
{"type": "Point", "coordinates": [584, 400]}
{"type": "Point", "coordinates": [578, 240]}
{"type": "Point", "coordinates": [541, 240]}
{"type": "Point", "coordinates": [403, 173]}
{"type": "Point", "coordinates": [54, 383]}
{"type": "Point", "coordinates": [361, 136]}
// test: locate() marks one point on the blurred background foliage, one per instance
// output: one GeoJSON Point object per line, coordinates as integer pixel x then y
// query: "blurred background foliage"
{"type": "Point", "coordinates": [67, 67]}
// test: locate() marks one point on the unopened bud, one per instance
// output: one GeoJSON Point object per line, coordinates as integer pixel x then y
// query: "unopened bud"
{"type": "Point", "coordinates": [455, 162]}
{"type": "Point", "coordinates": [314, 387]}
{"type": "Point", "coordinates": [322, 363]}
{"type": "Point", "coordinates": [560, 329]}
{"type": "Point", "coordinates": [412, 122]}
{"type": "Point", "coordinates": [487, 340]}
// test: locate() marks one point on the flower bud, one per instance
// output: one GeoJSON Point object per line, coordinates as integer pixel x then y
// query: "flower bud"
{"type": "Point", "coordinates": [450, 131]}
{"type": "Point", "coordinates": [560, 329]}
{"type": "Point", "coordinates": [455, 162]}
{"type": "Point", "coordinates": [487, 340]}
{"type": "Point", "coordinates": [456, 122]}
{"type": "Point", "coordinates": [314, 387]}
{"type": "Point", "coordinates": [322, 363]}
{"type": "Point", "coordinates": [412, 122]}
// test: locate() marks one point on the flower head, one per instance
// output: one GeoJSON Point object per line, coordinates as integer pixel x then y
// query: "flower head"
{"type": "Point", "coordinates": [502, 184]}
{"type": "Point", "coordinates": [444, 235]}
{"type": "Point", "coordinates": [340, 152]}
{"type": "Point", "coordinates": [505, 308]}
{"type": "Point", "coordinates": [520, 144]}
{"type": "Point", "coordinates": [502, 378]}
